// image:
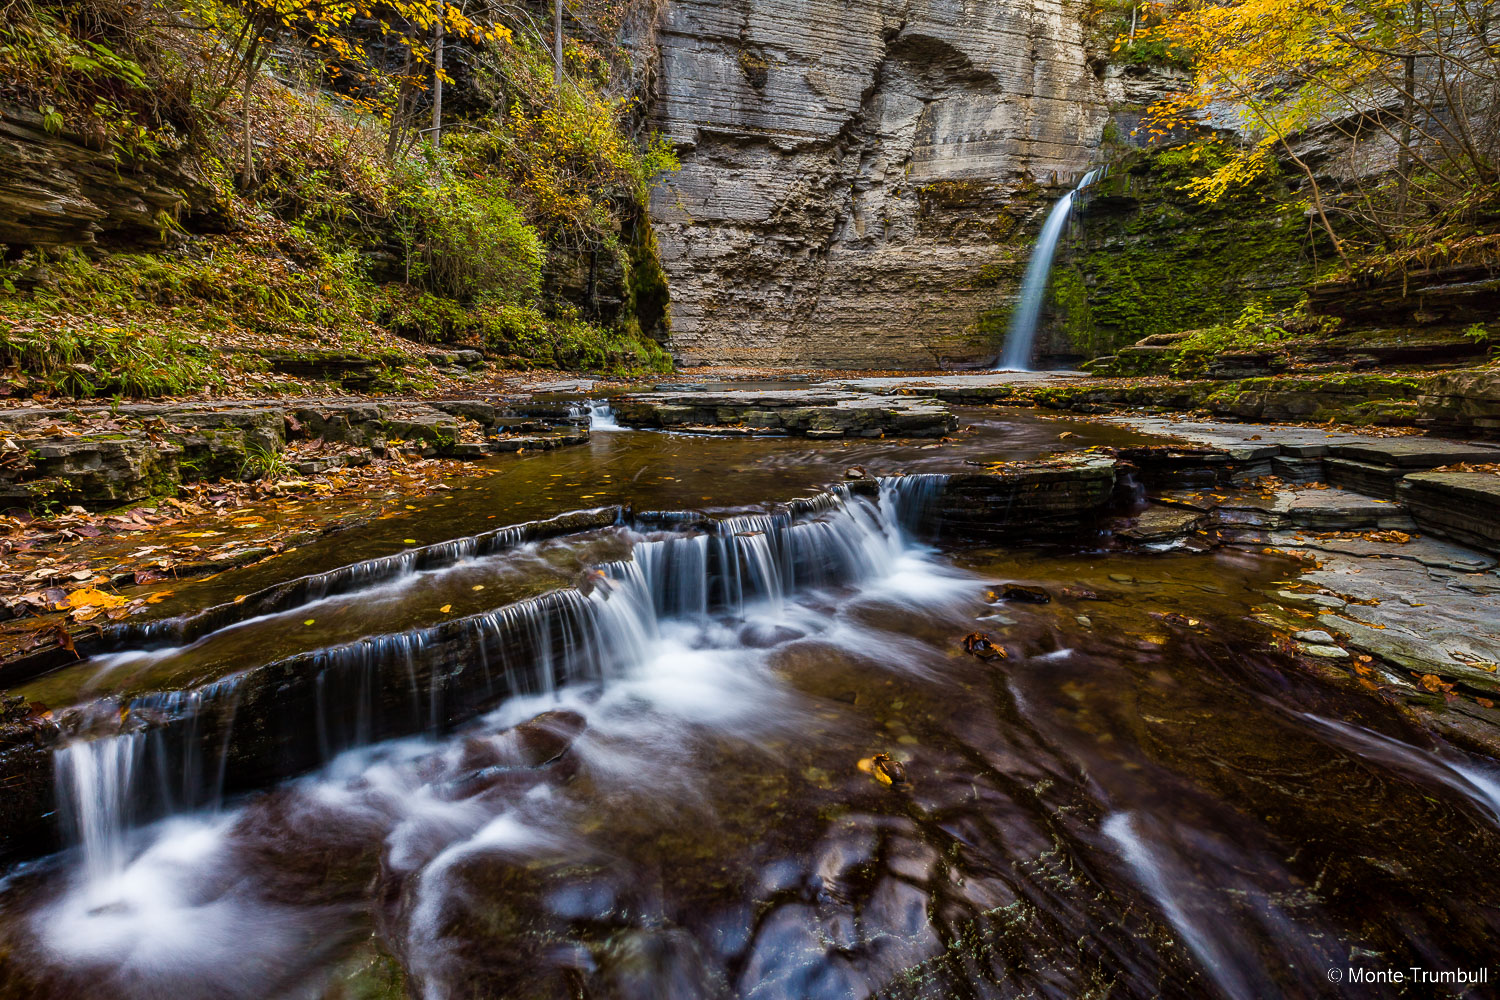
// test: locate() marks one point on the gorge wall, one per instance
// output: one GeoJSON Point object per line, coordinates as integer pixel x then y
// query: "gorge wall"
{"type": "Point", "coordinates": [861, 182]}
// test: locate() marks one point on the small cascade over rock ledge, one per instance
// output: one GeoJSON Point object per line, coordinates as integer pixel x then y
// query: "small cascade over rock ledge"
{"type": "Point", "coordinates": [287, 716]}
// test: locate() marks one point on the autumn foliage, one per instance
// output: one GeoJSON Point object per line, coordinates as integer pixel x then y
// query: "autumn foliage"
{"type": "Point", "coordinates": [1404, 94]}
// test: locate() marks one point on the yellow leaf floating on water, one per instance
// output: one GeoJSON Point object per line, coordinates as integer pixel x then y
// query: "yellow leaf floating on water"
{"type": "Point", "coordinates": [309, 621]}
{"type": "Point", "coordinates": [159, 596]}
{"type": "Point", "coordinates": [409, 541]}
{"type": "Point", "coordinates": [478, 586]}
{"type": "Point", "coordinates": [446, 608]}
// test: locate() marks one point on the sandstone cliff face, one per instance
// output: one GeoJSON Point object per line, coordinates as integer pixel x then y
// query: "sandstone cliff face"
{"type": "Point", "coordinates": [57, 191]}
{"type": "Point", "coordinates": [858, 179]}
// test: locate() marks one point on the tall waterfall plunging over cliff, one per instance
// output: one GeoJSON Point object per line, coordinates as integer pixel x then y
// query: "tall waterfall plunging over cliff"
{"type": "Point", "coordinates": [1021, 337]}
{"type": "Point", "coordinates": [848, 170]}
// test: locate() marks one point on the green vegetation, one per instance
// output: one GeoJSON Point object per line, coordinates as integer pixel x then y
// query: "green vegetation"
{"type": "Point", "coordinates": [1126, 27]}
{"type": "Point", "coordinates": [1356, 399]}
{"type": "Point", "coordinates": [347, 229]}
{"type": "Point", "coordinates": [1151, 261]}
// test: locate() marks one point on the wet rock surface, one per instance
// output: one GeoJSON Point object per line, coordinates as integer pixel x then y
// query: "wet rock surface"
{"type": "Point", "coordinates": [776, 753]}
{"type": "Point", "coordinates": [149, 448]}
{"type": "Point", "coordinates": [811, 413]}
{"type": "Point", "coordinates": [1058, 500]}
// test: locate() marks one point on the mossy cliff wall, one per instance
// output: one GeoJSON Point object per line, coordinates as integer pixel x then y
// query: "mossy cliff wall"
{"type": "Point", "coordinates": [1143, 258]}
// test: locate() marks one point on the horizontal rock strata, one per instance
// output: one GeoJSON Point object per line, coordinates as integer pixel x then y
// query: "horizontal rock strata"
{"type": "Point", "coordinates": [150, 448]}
{"type": "Point", "coordinates": [849, 172]}
{"type": "Point", "coordinates": [1032, 500]}
{"type": "Point", "coordinates": [811, 413]}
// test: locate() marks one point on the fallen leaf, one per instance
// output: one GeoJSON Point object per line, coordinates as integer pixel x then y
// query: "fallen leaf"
{"type": "Point", "coordinates": [446, 608]}
{"type": "Point", "coordinates": [88, 597]}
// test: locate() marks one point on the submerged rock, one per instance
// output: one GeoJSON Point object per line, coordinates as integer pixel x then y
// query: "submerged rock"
{"type": "Point", "coordinates": [885, 769]}
{"type": "Point", "coordinates": [1024, 593]}
{"type": "Point", "coordinates": [534, 743]}
{"type": "Point", "coordinates": [981, 645]}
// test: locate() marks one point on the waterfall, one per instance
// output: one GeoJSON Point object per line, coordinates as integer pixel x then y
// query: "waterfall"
{"type": "Point", "coordinates": [1021, 336]}
{"type": "Point", "coordinates": [94, 792]}
{"type": "Point", "coordinates": [287, 716]}
{"type": "Point", "coordinates": [602, 416]}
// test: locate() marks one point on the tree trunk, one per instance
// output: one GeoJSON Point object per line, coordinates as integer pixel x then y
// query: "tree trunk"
{"type": "Point", "coordinates": [252, 64]}
{"type": "Point", "coordinates": [1403, 154]}
{"type": "Point", "coordinates": [557, 72]}
{"type": "Point", "coordinates": [1408, 113]}
{"type": "Point", "coordinates": [437, 81]}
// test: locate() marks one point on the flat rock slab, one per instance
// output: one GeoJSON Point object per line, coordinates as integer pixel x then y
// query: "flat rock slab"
{"type": "Point", "coordinates": [1295, 442]}
{"type": "Point", "coordinates": [1423, 606]}
{"type": "Point", "coordinates": [1309, 507]}
{"type": "Point", "coordinates": [1414, 452]}
{"type": "Point", "coordinates": [100, 457]}
{"type": "Point", "coordinates": [815, 412]}
{"type": "Point", "coordinates": [1429, 552]}
{"type": "Point", "coordinates": [1162, 523]}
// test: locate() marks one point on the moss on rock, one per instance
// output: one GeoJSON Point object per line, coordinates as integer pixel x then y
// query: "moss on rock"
{"type": "Point", "coordinates": [1147, 260]}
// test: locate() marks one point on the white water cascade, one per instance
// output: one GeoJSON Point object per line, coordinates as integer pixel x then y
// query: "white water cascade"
{"type": "Point", "coordinates": [94, 782]}
{"type": "Point", "coordinates": [414, 682]}
{"type": "Point", "coordinates": [1021, 336]}
{"type": "Point", "coordinates": [602, 416]}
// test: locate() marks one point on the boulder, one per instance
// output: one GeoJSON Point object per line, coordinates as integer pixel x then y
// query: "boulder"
{"type": "Point", "coordinates": [1038, 499]}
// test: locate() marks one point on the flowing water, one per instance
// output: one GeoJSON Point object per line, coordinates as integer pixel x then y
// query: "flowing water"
{"type": "Point", "coordinates": [635, 761]}
{"type": "Point", "coordinates": [1020, 338]}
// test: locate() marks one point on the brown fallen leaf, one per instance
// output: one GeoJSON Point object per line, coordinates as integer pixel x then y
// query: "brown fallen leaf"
{"type": "Point", "coordinates": [981, 645]}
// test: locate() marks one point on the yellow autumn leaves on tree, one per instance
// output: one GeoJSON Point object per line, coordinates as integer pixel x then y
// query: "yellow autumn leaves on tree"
{"type": "Point", "coordinates": [1412, 85]}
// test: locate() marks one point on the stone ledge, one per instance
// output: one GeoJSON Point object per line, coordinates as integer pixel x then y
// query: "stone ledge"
{"type": "Point", "coordinates": [1040, 500]}
{"type": "Point", "coordinates": [1464, 506]}
{"type": "Point", "coordinates": [150, 448]}
{"type": "Point", "coordinates": [811, 413]}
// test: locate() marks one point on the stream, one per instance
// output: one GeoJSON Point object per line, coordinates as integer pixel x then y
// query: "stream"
{"type": "Point", "coordinates": [640, 760]}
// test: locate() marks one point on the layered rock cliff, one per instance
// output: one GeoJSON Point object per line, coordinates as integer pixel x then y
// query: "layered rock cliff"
{"type": "Point", "coordinates": [859, 180]}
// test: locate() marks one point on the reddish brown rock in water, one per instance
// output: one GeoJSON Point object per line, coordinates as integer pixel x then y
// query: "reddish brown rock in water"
{"type": "Point", "coordinates": [533, 743]}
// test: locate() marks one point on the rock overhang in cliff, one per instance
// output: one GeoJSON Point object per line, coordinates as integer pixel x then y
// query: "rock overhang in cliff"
{"type": "Point", "coordinates": [803, 226]}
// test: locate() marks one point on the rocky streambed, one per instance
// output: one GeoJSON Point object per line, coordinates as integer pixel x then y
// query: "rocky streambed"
{"type": "Point", "coordinates": [1045, 706]}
